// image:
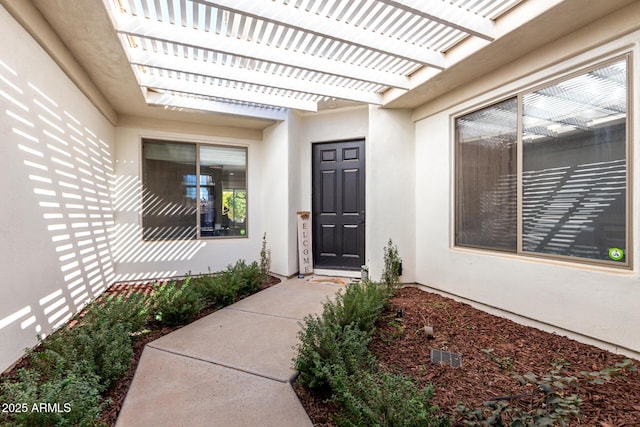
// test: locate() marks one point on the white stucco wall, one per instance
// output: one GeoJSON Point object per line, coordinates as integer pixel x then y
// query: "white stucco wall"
{"type": "Point", "coordinates": [596, 302]}
{"type": "Point", "coordinates": [295, 190]}
{"type": "Point", "coordinates": [56, 219]}
{"type": "Point", "coordinates": [391, 207]}
{"type": "Point", "coordinates": [137, 259]}
{"type": "Point", "coordinates": [276, 209]}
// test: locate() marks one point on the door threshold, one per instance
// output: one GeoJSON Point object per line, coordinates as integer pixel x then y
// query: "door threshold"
{"type": "Point", "coordinates": [353, 274]}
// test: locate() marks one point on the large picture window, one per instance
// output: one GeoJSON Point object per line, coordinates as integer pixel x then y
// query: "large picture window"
{"type": "Point", "coordinates": [546, 172]}
{"type": "Point", "coordinates": [193, 190]}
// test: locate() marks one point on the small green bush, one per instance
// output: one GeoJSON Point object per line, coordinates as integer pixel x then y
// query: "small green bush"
{"type": "Point", "coordinates": [392, 266]}
{"type": "Point", "coordinates": [106, 348]}
{"type": "Point", "coordinates": [220, 290]}
{"type": "Point", "coordinates": [72, 399]}
{"type": "Point", "coordinates": [131, 311]}
{"type": "Point", "coordinates": [250, 277]}
{"type": "Point", "coordinates": [265, 259]}
{"type": "Point", "coordinates": [203, 285]}
{"type": "Point", "coordinates": [175, 304]}
{"type": "Point", "coordinates": [340, 335]}
{"type": "Point", "coordinates": [361, 303]}
{"type": "Point", "coordinates": [238, 280]}
{"type": "Point", "coordinates": [377, 398]}
{"type": "Point", "coordinates": [324, 345]}
{"type": "Point", "coordinates": [333, 353]}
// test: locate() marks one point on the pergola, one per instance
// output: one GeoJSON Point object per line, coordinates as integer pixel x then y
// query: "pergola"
{"type": "Point", "coordinates": [260, 58]}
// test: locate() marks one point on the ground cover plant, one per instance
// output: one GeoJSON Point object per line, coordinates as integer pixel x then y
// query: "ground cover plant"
{"type": "Point", "coordinates": [79, 375]}
{"type": "Point", "coordinates": [511, 375]}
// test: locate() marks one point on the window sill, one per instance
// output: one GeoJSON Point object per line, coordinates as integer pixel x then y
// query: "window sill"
{"type": "Point", "coordinates": [576, 264]}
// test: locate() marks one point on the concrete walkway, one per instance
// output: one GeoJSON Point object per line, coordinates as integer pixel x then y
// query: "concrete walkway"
{"type": "Point", "coordinates": [231, 368]}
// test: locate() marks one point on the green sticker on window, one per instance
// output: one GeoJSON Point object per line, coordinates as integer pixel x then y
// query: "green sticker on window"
{"type": "Point", "coordinates": [616, 254]}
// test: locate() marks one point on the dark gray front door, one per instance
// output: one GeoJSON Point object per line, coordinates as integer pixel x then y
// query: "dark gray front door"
{"type": "Point", "coordinates": [339, 204]}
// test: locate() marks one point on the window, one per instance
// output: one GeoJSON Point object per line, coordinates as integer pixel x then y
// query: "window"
{"type": "Point", "coordinates": [193, 190]}
{"type": "Point", "coordinates": [486, 209]}
{"type": "Point", "coordinates": [546, 172]}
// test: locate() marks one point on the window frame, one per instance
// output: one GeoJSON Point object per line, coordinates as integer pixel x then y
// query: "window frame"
{"type": "Point", "coordinates": [197, 145]}
{"type": "Point", "coordinates": [519, 94]}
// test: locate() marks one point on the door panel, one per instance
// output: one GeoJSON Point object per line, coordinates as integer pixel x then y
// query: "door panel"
{"type": "Point", "coordinates": [350, 187]}
{"type": "Point", "coordinates": [339, 204]}
{"type": "Point", "coordinates": [328, 191]}
{"type": "Point", "coordinates": [350, 241]}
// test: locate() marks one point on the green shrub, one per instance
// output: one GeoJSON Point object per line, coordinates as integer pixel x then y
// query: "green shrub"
{"type": "Point", "coordinates": [250, 277]}
{"type": "Point", "coordinates": [333, 353]}
{"type": "Point", "coordinates": [339, 336]}
{"type": "Point", "coordinates": [392, 266]}
{"type": "Point", "coordinates": [265, 259]}
{"type": "Point", "coordinates": [361, 303]}
{"type": "Point", "coordinates": [72, 399]}
{"type": "Point", "coordinates": [110, 349]}
{"type": "Point", "coordinates": [220, 290]}
{"type": "Point", "coordinates": [175, 304]}
{"type": "Point", "coordinates": [74, 365]}
{"type": "Point", "coordinates": [324, 345]}
{"type": "Point", "coordinates": [105, 348]}
{"type": "Point", "coordinates": [131, 311]}
{"type": "Point", "coordinates": [376, 398]}
{"type": "Point", "coordinates": [203, 285]}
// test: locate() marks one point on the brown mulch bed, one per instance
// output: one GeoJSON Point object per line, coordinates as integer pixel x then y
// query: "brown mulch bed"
{"type": "Point", "coordinates": [401, 345]}
{"type": "Point", "coordinates": [118, 392]}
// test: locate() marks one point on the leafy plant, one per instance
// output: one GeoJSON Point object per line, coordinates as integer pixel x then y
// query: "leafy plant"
{"type": "Point", "coordinates": [396, 330]}
{"type": "Point", "coordinates": [361, 303]}
{"type": "Point", "coordinates": [333, 353]}
{"type": "Point", "coordinates": [392, 266]}
{"type": "Point", "coordinates": [221, 289]}
{"type": "Point", "coordinates": [265, 259]}
{"type": "Point", "coordinates": [72, 399]}
{"type": "Point", "coordinates": [554, 400]}
{"type": "Point", "coordinates": [131, 311]}
{"type": "Point", "coordinates": [325, 345]}
{"type": "Point", "coordinates": [175, 304]}
{"type": "Point", "coordinates": [224, 288]}
{"type": "Point", "coordinates": [250, 276]}
{"type": "Point", "coordinates": [340, 335]}
{"type": "Point", "coordinates": [104, 347]}
{"type": "Point", "coordinates": [378, 398]}
{"type": "Point", "coordinates": [505, 363]}
{"type": "Point", "coordinates": [76, 363]}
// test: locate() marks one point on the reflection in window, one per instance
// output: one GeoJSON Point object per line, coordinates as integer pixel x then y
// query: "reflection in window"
{"type": "Point", "coordinates": [486, 210]}
{"type": "Point", "coordinates": [575, 168]}
{"type": "Point", "coordinates": [166, 212]}
{"type": "Point", "coordinates": [226, 172]}
{"type": "Point", "coordinates": [184, 194]}
{"type": "Point", "coordinates": [574, 173]}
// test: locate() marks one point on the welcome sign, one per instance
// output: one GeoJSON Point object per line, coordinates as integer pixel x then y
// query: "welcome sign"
{"type": "Point", "coordinates": [305, 254]}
